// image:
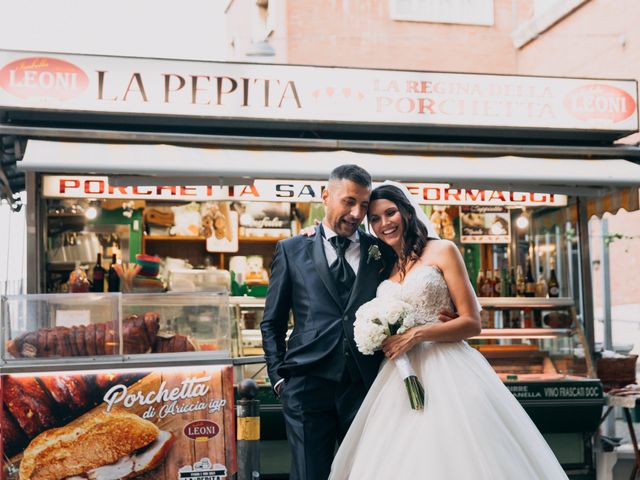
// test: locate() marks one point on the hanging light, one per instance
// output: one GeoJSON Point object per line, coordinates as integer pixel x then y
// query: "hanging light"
{"type": "Point", "coordinates": [92, 211]}
{"type": "Point", "coordinates": [522, 222]}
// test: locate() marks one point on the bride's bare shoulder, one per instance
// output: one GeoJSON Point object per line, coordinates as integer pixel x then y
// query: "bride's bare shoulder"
{"type": "Point", "coordinates": [439, 246]}
{"type": "Point", "coordinates": [439, 253]}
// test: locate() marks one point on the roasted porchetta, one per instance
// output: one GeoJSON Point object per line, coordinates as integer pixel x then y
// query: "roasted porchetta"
{"type": "Point", "coordinates": [141, 334]}
{"type": "Point", "coordinates": [33, 404]}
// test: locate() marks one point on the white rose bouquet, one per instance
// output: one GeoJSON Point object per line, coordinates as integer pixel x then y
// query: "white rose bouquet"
{"type": "Point", "coordinates": [378, 319]}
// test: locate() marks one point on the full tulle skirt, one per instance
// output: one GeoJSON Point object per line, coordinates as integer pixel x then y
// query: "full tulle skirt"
{"type": "Point", "coordinates": [471, 428]}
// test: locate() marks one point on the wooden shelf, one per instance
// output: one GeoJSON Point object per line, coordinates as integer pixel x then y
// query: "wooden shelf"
{"type": "Point", "coordinates": [63, 266]}
{"type": "Point", "coordinates": [506, 303]}
{"type": "Point", "coordinates": [523, 333]}
{"type": "Point", "coordinates": [188, 238]}
{"type": "Point", "coordinates": [66, 215]}
{"type": "Point", "coordinates": [261, 239]}
{"type": "Point", "coordinates": [173, 238]}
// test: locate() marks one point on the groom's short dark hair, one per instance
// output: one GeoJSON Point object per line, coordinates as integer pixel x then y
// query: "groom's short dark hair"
{"type": "Point", "coordinates": [353, 173]}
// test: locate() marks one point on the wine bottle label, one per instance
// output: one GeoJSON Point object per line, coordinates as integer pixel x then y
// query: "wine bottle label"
{"type": "Point", "coordinates": [554, 291]}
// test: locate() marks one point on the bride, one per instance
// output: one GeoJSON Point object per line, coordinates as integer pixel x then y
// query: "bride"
{"type": "Point", "coordinates": [471, 426]}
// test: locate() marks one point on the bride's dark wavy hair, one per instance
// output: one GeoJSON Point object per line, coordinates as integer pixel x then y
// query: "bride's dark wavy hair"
{"type": "Point", "coordinates": [415, 236]}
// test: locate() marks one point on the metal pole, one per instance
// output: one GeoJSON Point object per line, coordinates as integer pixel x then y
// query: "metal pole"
{"type": "Point", "coordinates": [586, 291]}
{"type": "Point", "coordinates": [610, 427]}
{"type": "Point", "coordinates": [35, 235]}
{"type": "Point", "coordinates": [248, 416]}
{"type": "Point", "coordinates": [606, 286]}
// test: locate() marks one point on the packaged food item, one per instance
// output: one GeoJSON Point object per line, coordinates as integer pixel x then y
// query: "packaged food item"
{"type": "Point", "coordinates": [78, 281]}
{"type": "Point", "coordinates": [186, 219]}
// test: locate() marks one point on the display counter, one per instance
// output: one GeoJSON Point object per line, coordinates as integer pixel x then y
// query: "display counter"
{"type": "Point", "coordinates": [548, 368]}
{"type": "Point", "coordinates": [117, 386]}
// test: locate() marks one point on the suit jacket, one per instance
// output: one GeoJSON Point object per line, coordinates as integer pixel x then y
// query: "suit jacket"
{"type": "Point", "coordinates": [300, 281]}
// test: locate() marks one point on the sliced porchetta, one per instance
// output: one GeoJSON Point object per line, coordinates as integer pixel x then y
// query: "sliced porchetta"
{"type": "Point", "coordinates": [130, 466]}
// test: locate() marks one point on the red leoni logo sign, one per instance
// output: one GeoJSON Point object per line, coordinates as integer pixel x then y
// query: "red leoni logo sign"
{"type": "Point", "coordinates": [43, 77]}
{"type": "Point", "coordinates": [201, 430]}
{"type": "Point", "coordinates": [600, 102]}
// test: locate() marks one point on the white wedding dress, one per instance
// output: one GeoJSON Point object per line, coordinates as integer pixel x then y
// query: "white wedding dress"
{"type": "Point", "coordinates": [471, 428]}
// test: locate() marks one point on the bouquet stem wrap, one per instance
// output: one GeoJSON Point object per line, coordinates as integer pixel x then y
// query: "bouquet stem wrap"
{"type": "Point", "coordinates": [411, 382]}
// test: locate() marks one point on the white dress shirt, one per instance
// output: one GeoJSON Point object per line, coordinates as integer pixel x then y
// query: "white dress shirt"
{"type": "Point", "coordinates": [352, 255]}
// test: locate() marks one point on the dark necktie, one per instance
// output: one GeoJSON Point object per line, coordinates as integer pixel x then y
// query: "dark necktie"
{"type": "Point", "coordinates": [340, 269]}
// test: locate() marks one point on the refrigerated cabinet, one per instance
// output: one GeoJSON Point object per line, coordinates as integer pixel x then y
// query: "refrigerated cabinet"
{"type": "Point", "coordinates": [548, 368]}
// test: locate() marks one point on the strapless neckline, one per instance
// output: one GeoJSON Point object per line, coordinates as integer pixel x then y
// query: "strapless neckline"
{"type": "Point", "coordinates": [420, 267]}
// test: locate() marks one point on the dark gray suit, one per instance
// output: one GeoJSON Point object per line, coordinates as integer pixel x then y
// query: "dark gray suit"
{"type": "Point", "coordinates": [326, 378]}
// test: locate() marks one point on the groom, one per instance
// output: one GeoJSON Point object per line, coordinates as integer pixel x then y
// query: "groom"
{"type": "Point", "coordinates": [319, 375]}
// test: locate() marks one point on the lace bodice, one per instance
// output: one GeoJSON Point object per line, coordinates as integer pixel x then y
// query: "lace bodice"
{"type": "Point", "coordinates": [424, 287]}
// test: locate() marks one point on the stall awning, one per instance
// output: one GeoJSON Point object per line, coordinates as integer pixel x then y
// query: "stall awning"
{"type": "Point", "coordinates": [570, 176]}
{"type": "Point", "coordinates": [627, 199]}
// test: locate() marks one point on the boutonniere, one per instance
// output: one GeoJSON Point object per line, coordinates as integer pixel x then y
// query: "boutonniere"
{"type": "Point", "coordinates": [374, 253]}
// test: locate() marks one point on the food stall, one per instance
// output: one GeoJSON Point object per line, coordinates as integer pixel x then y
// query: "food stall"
{"type": "Point", "coordinates": [208, 165]}
{"type": "Point", "coordinates": [125, 385]}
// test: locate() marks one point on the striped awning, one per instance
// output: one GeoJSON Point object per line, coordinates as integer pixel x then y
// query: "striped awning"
{"type": "Point", "coordinates": [626, 199]}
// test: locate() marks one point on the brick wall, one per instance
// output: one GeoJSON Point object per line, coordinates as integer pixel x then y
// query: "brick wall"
{"type": "Point", "coordinates": [360, 33]}
{"type": "Point", "coordinates": [601, 39]}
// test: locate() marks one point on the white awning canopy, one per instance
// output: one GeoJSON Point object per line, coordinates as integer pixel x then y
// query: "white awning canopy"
{"type": "Point", "coordinates": [569, 176]}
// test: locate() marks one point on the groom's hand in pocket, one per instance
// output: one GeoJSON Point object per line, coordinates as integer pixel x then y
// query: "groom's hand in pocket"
{"type": "Point", "coordinates": [278, 387]}
{"type": "Point", "coordinates": [445, 315]}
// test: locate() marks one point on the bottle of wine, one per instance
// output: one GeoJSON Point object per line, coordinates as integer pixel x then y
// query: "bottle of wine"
{"type": "Point", "coordinates": [113, 281]}
{"type": "Point", "coordinates": [98, 276]}
{"type": "Point", "coordinates": [488, 287]}
{"type": "Point", "coordinates": [504, 283]}
{"type": "Point", "coordinates": [513, 292]}
{"type": "Point", "coordinates": [541, 285]}
{"type": "Point", "coordinates": [480, 284]}
{"type": "Point", "coordinates": [530, 283]}
{"type": "Point", "coordinates": [520, 285]}
{"type": "Point", "coordinates": [497, 284]}
{"type": "Point", "coordinates": [554, 286]}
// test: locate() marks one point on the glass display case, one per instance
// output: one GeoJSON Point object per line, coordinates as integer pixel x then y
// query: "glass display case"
{"type": "Point", "coordinates": [88, 325]}
{"type": "Point", "coordinates": [246, 314]}
{"type": "Point", "coordinates": [538, 348]}
{"type": "Point", "coordinates": [158, 360]}
{"type": "Point", "coordinates": [533, 339]}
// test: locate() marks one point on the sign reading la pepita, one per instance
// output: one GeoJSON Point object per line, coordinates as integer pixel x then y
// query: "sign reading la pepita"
{"type": "Point", "coordinates": [289, 93]}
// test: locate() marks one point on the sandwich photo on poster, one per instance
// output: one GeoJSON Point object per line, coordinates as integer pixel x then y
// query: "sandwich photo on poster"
{"type": "Point", "coordinates": [219, 226]}
{"type": "Point", "coordinates": [111, 425]}
{"type": "Point", "coordinates": [484, 224]}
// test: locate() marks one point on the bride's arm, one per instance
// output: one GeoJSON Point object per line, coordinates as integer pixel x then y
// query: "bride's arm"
{"type": "Point", "coordinates": [466, 325]}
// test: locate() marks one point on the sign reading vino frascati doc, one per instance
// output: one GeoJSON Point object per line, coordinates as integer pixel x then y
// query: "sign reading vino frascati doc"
{"type": "Point", "coordinates": [313, 94]}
